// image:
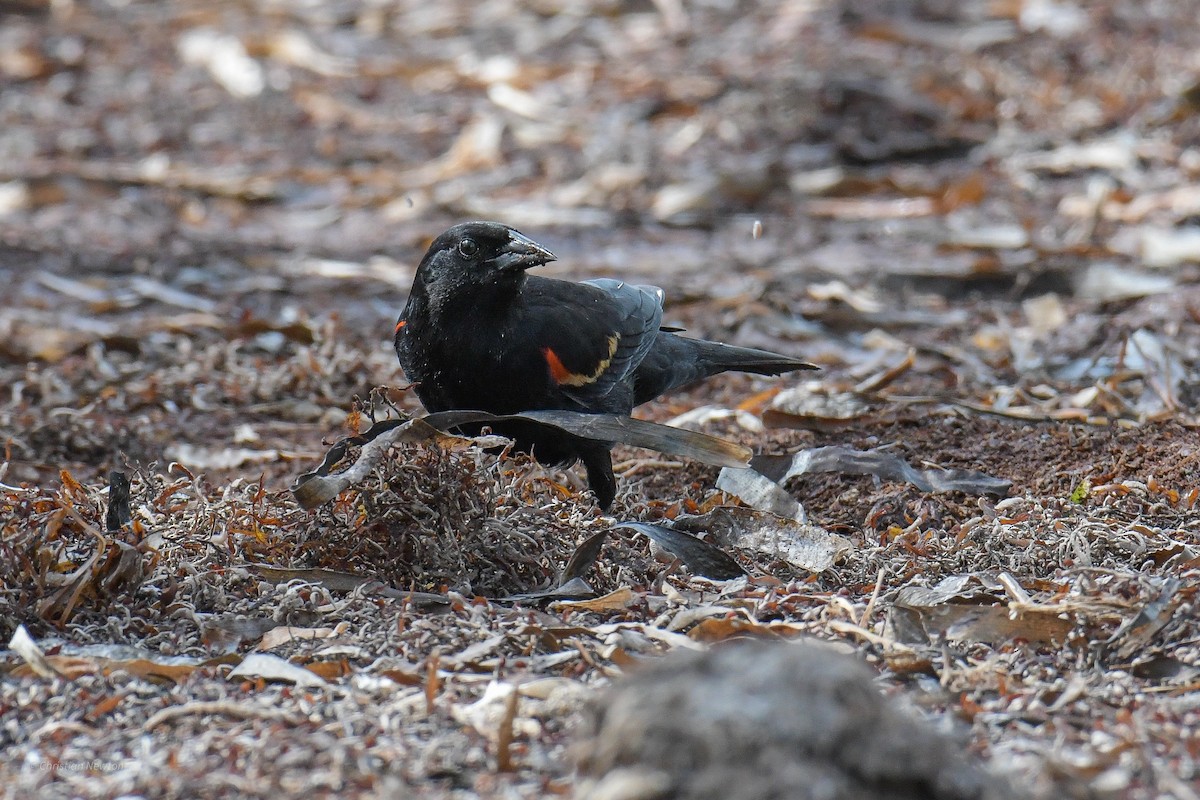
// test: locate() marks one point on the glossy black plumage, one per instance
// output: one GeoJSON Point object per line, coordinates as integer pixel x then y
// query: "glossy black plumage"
{"type": "Point", "coordinates": [478, 333]}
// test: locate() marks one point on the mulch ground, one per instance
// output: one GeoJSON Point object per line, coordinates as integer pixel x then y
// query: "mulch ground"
{"type": "Point", "coordinates": [978, 219]}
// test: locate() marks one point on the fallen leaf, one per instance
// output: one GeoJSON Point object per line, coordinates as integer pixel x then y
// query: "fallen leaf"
{"type": "Point", "coordinates": [616, 600]}
{"type": "Point", "coordinates": [812, 406]}
{"type": "Point", "coordinates": [801, 544]}
{"type": "Point", "coordinates": [584, 557]}
{"type": "Point", "coordinates": [274, 668]}
{"type": "Point", "coordinates": [572, 589]}
{"type": "Point", "coordinates": [965, 608]}
{"type": "Point", "coordinates": [1137, 632]}
{"type": "Point", "coordinates": [286, 633]}
{"type": "Point", "coordinates": [718, 629]}
{"type": "Point", "coordinates": [700, 557]}
{"type": "Point", "coordinates": [883, 465]}
{"type": "Point", "coordinates": [26, 648]}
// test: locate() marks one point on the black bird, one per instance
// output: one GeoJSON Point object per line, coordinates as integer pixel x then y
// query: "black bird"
{"type": "Point", "coordinates": [480, 334]}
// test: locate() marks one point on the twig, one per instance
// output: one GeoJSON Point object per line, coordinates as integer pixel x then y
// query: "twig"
{"type": "Point", "coordinates": [504, 737]}
{"type": "Point", "coordinates": [837, 626]}
{"type": "Point", "coordinates": [870, 609]}
{"type": "Point", "coordinates": [432, 682]}
{"type": "Point", "coordinates": [883, 379]}
{"type": "Point", "coordinates": [224, 708]}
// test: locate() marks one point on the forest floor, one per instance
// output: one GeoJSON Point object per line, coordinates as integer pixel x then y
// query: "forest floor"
{"type": "Point", "coordinates": [978, 218]}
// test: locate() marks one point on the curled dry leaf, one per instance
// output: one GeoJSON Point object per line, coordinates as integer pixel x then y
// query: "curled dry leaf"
{"type": "Point", "coordinates": [1139, 630]}
{"type": "Point", "coordinates": [584, 557]}
{"type": "Point", "coordinates": [702, 558]}
{"type": "Point", "coordinates": [883, 465]}
{"type": "Point", "coordinates": [811, 406]}
{"type": "Point", "coordinates": [967, 608]}
{"type": "Point", "coordinates": [24, 646]}
{"type": "Point", "coordinates": [318, 487]}
{"type": "Point", "coordinates": [801, 544]}
{"type": "Point", "coordinates": [616, 600]}
{"type": "Point", "coordinates": [274, 668]}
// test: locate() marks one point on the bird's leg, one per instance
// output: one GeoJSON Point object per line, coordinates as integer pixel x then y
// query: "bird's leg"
{"type": "Point", "coordinates": [598, 462]}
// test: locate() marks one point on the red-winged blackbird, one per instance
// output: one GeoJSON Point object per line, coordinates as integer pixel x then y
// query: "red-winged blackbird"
{"type": "Point", "coordinates": [480, 334]}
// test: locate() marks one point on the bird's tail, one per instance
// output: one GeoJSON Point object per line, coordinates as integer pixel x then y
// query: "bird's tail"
{"type": "Point", "coordinates": [716, 357]}
{"type": "Point", "coordinates": [677, 361]}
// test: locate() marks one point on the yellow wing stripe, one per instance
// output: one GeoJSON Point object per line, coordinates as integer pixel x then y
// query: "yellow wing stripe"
{"type": "Point", "coordinates": [564, 377]}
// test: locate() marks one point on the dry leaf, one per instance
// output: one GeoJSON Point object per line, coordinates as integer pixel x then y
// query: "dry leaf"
{"type": "Point", "coordinates": [718, 629]}
{"type": "Point", "coordinates": [801, 544]}
{"type": "Point", "coordinates": [286, 633]}
{"type": "Point", "coordinates": [27, 649]}
{"type": "Point", "coordinates": [881, 464]}
{"type": "Point", "coordinates": [702, 558]}
{"type": "Point", "coordinates": [965, 608]}
{"type": "Point", "coordinates": [274, 668]}
{"type": "Point", "coordinates": [616, 600]}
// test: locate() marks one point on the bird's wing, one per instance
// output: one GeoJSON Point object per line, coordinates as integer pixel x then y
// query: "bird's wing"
{"type": "Point", "coordinates": [599, 337]}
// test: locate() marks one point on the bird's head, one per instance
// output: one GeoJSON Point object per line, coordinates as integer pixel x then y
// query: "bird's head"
{"type": "Point", "coordinates": [478, 254]}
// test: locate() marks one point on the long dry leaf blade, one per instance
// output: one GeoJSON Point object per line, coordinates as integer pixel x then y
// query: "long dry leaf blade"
{"type": "Point", "coordinates": [885, 466]}
{"type": "Point", "coordinates": [702, 558]}
{"type": "Point", "coordinates": [613, 428]}
{"type": "Point", "coordinates": [119, 513]}
{"type": "Point", "coordinates": [584, 557]}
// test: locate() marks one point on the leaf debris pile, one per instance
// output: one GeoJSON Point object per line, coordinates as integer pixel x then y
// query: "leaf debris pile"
{"type": "Point", "coordinates": [979, 220]}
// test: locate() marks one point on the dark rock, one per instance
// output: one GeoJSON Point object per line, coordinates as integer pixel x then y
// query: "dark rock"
{"type": "Point", "coordinates": [759, 720]}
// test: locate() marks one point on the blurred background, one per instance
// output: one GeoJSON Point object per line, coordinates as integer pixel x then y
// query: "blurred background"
{"type": "Point", "coordinates": [981, 218]}
{"type": "Point", "coordinates": [251, 182]}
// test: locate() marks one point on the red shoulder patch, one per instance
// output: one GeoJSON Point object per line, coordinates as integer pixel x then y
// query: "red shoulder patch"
{"type": "Point", "coordinates": [558, 371]}
{"type": "Point", "coordinates": [401, 324]}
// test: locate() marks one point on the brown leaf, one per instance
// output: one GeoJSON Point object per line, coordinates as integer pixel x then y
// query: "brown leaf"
{"type": "Point", "coordinates": [146, 668]}
{"type": "Point", "coordinates": [702, 558]}
{"type": "Point", "coordinates": [718, 629]}
{"type": "Point", "coordinates": [329, 670]}
{"type": "Point", "coordinates": [103, 707]}
{"type": "Point", "coordinates": [584, 557]}
{"type": "Point", "coordinates": [616, 600]}
{"type": "Point", "coordinates": [965, 608]}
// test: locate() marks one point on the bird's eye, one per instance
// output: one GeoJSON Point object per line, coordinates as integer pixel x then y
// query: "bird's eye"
{"type": "Point", "coordinates": [468, 247]}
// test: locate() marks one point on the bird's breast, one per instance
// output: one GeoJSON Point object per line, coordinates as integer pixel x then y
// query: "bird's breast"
{"type": "Point", "coordinates": [494, 369]}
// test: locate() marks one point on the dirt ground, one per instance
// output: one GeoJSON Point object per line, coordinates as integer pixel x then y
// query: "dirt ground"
{"type": "Point", "coordinates": [979, 218]}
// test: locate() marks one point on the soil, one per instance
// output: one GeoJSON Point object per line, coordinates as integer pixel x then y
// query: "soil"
{"type": "Point", "coordinates": [978, 219]}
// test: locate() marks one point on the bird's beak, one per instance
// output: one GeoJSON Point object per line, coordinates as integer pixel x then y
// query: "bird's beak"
{"type": "Point", "coordinates": [521, 252]}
